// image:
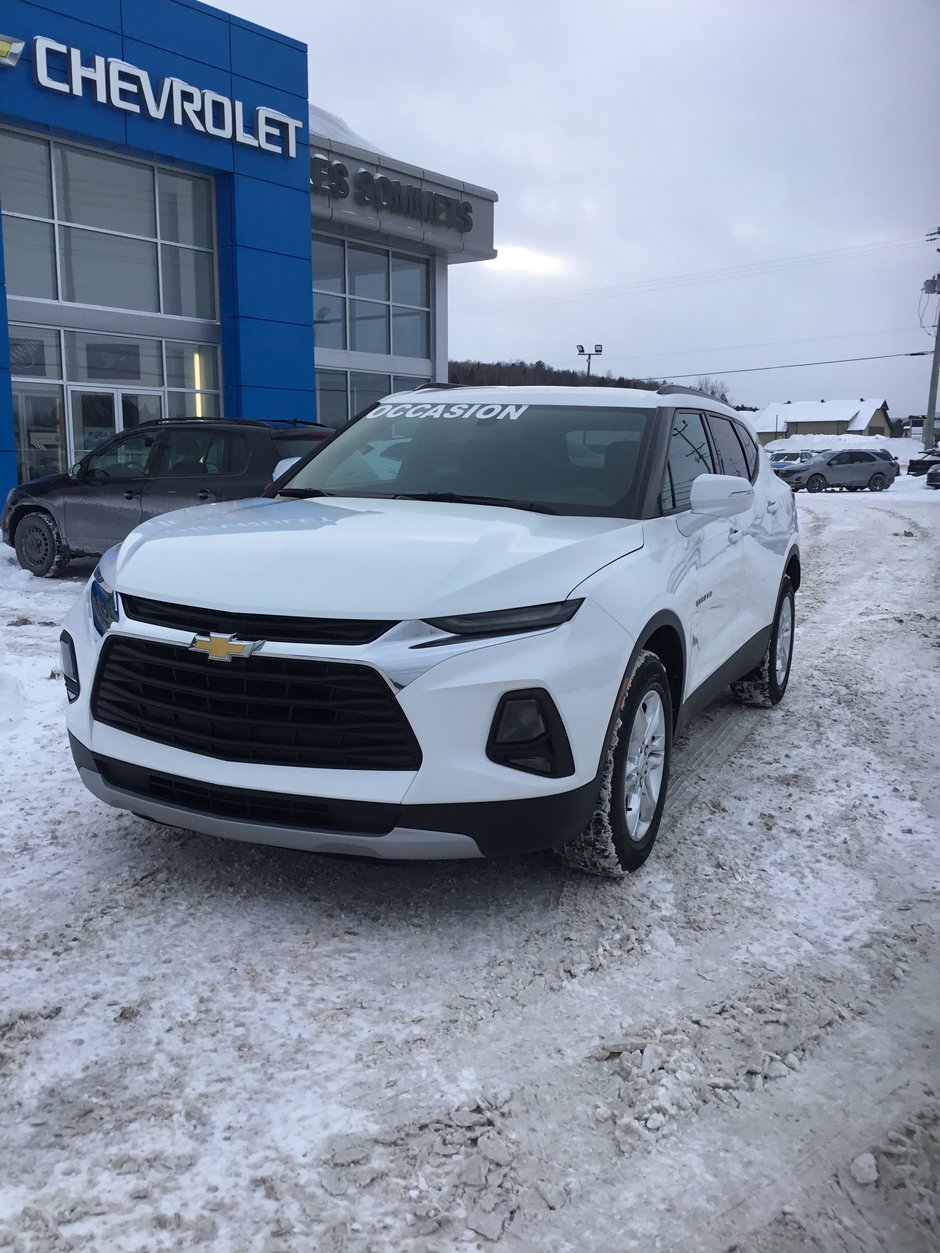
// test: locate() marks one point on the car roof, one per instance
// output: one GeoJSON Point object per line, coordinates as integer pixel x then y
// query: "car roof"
{"type": "Point", "coordinates": [589, 397]}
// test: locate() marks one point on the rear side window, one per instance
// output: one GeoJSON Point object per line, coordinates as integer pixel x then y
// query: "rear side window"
{"type": "Point", "coordinates": [751, 448]}
{"type": "Point", "coordinates": [190, 453]}
{"type": "Point", "coordinates": [689, 456]}
{"type": "Point", "coordinates": [296, 445]}
{"type": "Point", "coordinates": [728, 446]}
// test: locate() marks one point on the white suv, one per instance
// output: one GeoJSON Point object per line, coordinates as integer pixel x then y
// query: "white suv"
{"type": "Point", "coordinates": [470, 624]}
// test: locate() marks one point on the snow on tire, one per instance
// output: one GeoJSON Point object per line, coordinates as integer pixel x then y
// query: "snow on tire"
{"type": "Point", "coordinates": [766, 684]}
{"type": "Point", "coordinates": [623, 828]}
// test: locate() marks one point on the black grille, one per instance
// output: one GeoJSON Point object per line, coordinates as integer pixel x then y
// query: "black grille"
{"type": "Point", "coordinates": [255, 626]}
{"type": "Point", "coordinates": [270, 710]}
{"type": "Point", "coordinates": [303, 812]}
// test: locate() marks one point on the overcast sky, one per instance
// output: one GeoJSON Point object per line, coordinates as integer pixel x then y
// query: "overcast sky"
{"type": "Point", "coordinates": [633, 142]}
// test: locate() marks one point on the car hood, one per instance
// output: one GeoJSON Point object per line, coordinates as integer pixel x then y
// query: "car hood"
{"type": "Point", "coordinates": [41, 487]}
{"type": "Point", "coordinates": [369, 558]}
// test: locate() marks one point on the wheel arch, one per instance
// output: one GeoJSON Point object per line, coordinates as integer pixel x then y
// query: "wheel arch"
{"type": "Point", "coordinates": [793, 568]}
{"type": "Point", "coordinates": [664, 636]}
{"type": "Point", "coordinates": [24, 510]}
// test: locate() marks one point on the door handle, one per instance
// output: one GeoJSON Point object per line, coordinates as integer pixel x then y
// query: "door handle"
{"type": "Point", "coordinates": [130, 495]}
{"type": "Point", "coordinates": [203, 495]}
{"type": "Point", "coordinates": [735, 534]}
{"type": "Point", "coordinates": [771, 506]}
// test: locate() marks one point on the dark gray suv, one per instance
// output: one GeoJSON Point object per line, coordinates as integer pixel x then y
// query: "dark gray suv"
{"type": "Point", "coordinates": [148, 470]}
{"type": "Point", "coordinates": [853, 469]}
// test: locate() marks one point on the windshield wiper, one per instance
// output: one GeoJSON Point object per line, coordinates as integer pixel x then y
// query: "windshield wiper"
{"type": "Point", "coordinates": [458, 498]}
{"type": "Point", "coordinates": [303, 492]}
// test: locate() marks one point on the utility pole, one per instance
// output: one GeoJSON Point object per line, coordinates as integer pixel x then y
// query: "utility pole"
{"type": "Point", "coordinates": [932, 287]}
{"type": "Point", "coordinates": [598, 349]}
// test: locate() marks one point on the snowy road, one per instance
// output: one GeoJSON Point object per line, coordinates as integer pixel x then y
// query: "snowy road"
{"type": "Point", "coordinates": [249, 1049]}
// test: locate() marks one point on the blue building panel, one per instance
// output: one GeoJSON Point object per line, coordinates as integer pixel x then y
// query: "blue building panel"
{"type": "Point", "coordinates": [279, 402]}
{"type": "Point", "coordinates": [271, 350]}
{"type": "Point", "coordinates": [260, 272]}
{"type": "Point", "coordinates": [263, 225]}
{"type": "Point", "coordinates": [104, 14]}
{"type": "Point", "coordinates": [262, 205]}
{"type": "Point", "coordinates": [200, 33]}
{"type": "Point", "coordinates": [267, 58]}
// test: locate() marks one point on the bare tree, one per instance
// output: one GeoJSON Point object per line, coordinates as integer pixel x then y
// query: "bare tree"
{"type": "Point", "coordinates": [714, 387]}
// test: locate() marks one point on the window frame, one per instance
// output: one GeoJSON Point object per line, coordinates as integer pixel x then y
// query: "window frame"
{"type": "Point", "coordinates": [389, 304]}
{"type": "Point", "coordinates": [58, 222]}
{"type": "Point", "coordinates": [667, 473]}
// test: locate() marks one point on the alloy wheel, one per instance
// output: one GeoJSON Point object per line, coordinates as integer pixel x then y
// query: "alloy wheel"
{"type": "Point", "coordinates": [644, 765]}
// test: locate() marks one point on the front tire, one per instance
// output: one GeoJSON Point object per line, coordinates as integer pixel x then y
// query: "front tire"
{"type": "Point", "coordinates": [765, 686]}
{"type": "Point", "coordinates": [39, 547]}
{"type": "Point", "coordinates": [621, 834]}
{"type": "Point", "coordinates": [816, 483]}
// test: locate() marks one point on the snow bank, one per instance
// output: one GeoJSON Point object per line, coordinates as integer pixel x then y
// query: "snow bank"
{"type": "Point", "coordinates": [903, 449]}
{"type": "Point", "coordinates": [12, 703]}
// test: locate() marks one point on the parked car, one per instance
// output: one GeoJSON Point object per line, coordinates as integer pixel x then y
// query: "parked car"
{"type": "Point", "coordinates": [886, 455]}
{"type": "Point", "coordinates": [921, 465]}
{"type": "Point", "coordinates": [780, 460]}
{"type": "Point", "coordinates": [148, 470]}
{"type": "Point", "coordinates": [853, 469]}
{"type": "Point", "coordinates": [933, 475]}
{"type": "Point", "coordinates": [488, 651]}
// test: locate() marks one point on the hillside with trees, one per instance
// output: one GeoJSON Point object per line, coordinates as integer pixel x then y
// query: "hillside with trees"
{"type": "Point", "coordinates": [537, 373]}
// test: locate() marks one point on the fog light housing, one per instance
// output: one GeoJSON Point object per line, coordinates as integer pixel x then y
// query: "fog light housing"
{"type": "Point", "coordinates": [69, 666]}
{"type": "Point", "coordinates": [528, 734]}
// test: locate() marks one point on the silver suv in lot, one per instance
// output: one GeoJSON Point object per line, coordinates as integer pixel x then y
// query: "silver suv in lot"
{"type": "Point", "coordinates": [853, 469]}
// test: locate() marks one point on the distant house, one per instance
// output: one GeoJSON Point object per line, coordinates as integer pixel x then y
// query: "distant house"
{"type": "Point", "coordinates": [822, 417]}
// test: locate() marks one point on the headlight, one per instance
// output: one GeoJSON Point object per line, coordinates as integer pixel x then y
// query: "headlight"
{"type": "Point", "coordinates": [104, 603]}
{"type": "Point", "coordinates": [509, 621]}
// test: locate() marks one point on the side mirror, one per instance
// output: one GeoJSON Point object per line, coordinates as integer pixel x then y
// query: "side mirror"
{"type": "Point", "coordinates": [720, 495]}
{"type": "Point", "coordinates": [75, 471]}
{"type": "Point", "coordinates": [283, 466]}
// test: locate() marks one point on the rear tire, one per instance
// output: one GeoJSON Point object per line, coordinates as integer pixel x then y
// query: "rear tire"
{"type": "Point", "coordinates": [621, 834]}
{"type": "Point", "coordinates": [816, 483]}
{"type": "Point", "coordinates": [765, 686]}
{"type": "Point", "coordinates": [877, 483]}
{"type": "Point", "coordinates": [39, 547]}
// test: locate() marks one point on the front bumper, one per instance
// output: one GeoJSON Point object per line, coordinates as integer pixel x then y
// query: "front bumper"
{"type": "Point", "coordinates": [394, 832]}
{"type": "Point", "coordinates": [456, 803]}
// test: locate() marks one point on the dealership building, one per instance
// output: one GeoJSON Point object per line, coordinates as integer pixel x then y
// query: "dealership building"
{"type": "Point", "coordinates": [183, 235]}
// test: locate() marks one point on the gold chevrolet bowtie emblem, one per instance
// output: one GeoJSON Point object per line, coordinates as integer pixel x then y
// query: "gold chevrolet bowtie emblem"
{"type": "Point", "coordinates": [10, 50]}
{"type": "Point", "coordinates": [223, 647]}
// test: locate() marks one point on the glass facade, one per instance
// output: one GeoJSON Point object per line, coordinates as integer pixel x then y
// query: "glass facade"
{"type": "Point", "coordinates": [341, 394]}
{"type": "Point", "coordinates": [72, 389]}
{"type": "Point", "coordinates": [84, 227]}
{"type": "Point", "coordinates": [368, 299]}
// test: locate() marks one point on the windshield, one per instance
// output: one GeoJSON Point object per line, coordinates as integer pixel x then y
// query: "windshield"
{"type": "Point", "coordinates": [572, 460]}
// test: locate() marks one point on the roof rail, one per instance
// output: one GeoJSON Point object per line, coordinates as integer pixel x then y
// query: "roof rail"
{"type": "Point", "coordinates": [670, 389]}
{"type": "Point", "coordinates": [436, 387]}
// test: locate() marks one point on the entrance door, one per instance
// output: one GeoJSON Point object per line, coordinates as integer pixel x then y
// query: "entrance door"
{"type": "Point", "coordinates": [93, 418]}
{"type": "Point", "coordinates": [96, 415]}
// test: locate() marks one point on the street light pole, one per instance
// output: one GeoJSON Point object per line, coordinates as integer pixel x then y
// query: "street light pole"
{"type": "Point", "coordinates": [582, 352]}
{"type": "Point", "coordinates": [932, 288]}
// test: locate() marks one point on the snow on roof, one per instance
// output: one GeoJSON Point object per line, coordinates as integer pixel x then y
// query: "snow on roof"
{"type": "Point", "coordinates": [328, 125]}
{"type": "Point", "coordinates": [856, 413]}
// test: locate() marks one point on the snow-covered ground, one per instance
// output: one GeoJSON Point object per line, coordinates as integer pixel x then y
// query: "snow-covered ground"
{"type": "Point", "coordinates": [206, 1044]}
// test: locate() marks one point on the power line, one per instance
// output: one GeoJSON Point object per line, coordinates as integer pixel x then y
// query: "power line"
{"type": "Point", "coordinates": [768, 343]}
{"type": "Point", "coordinates": [795, 365]}
{"type": "Point", "coordinates": [695, 277]}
